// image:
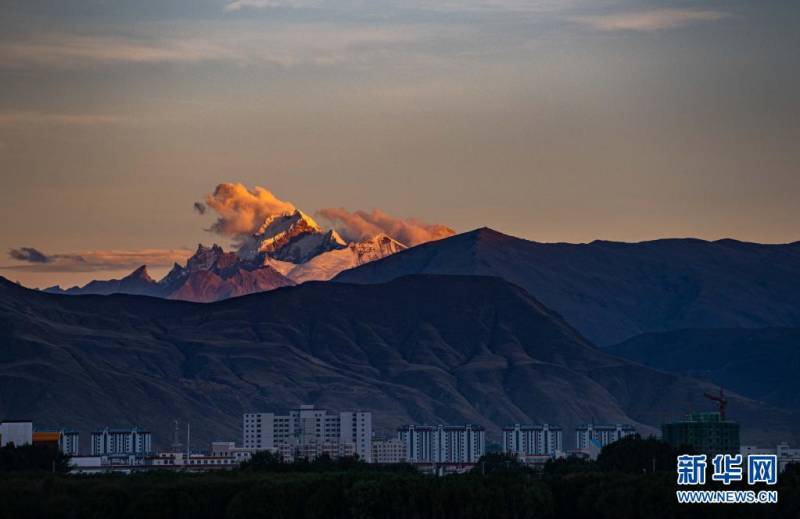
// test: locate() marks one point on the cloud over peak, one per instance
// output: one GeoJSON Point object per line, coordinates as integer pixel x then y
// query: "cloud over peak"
{"type": "Point", "coordinates": [241, 210]}
{"type": "Point", "coordinates": [361, 225]}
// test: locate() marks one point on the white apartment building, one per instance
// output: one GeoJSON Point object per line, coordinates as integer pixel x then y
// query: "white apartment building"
{"type": "Point", "coordinates": [121, 441]}
{"type": "Point", "coordinates": [443, 443]}
{"type": "Point", "coordinates": [355, 427]}
{"type": "Point", "coordinates": [391, 450]}
{"type": "Point", "coordinates": [308, 425]}
{"type": "Point", "coordinates": [69, 442]}
{"type": "Point", "coordinates": [600, 435]}
{"type": "Point", "coordinates": [533, 440]}
{"type": "Point", "coordinates": [17, 432]}
{"type": "Point", "coordinates": [786, 454]}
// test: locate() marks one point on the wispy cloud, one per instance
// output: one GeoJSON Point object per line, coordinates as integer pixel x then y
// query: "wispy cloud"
{"type": "Point", "coordinates": [65, 119]}
{"type": "Point", "coordinates": [70, 51]}
{"type": "Point", "coordinates": [34, 260]}
{"type": "Point", "coordinates": [653, 20]}
{"type": "Point", "coordinates": [238, 5]}
{"type": "Point", "coordinates": [411, 5]}
{"type": "Point", "coordinates": [280, 45]}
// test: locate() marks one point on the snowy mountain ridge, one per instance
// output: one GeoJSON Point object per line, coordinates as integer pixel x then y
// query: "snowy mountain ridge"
{"type": "Point", "coordinates": [287, 249]}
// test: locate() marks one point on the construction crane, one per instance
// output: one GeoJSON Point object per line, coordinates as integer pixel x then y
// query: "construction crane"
{"type": "Point", "coordinates": [176, 442]}
{"type": "Point", "coordinates": [720, 400]}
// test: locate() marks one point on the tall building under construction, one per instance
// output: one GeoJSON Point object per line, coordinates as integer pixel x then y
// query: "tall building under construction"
{"type": "Point", "coordinates": [706, 433]}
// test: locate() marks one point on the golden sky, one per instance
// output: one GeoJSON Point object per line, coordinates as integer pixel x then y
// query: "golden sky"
{"type": "Point", "coordinates": [567, 120]}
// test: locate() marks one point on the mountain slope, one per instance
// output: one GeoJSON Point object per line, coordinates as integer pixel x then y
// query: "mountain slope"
{"type": "Point", "coordinates": [419, 349]}
{"type": "Point", "coordinates": [762, 364]}
{"type": "Point", "coordinates": [613, 291]}
{"type": "Point", "coordinates": [328, 264]}
{"type": "Point", "coordinates": [137, 283]}
{"type": "Point", "coordinates": [208, 286]}
{"type": "Point", "coordinates": [212, 275]}
{"type": "Point", "coordinates": [293, 237]}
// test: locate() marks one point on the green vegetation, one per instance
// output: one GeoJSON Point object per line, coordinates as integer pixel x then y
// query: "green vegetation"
{"type": "Point", "coordinates": [635, 455]}
{"type": "Point", "coordinates": [620, 485]}
{"type": "Point", "coordinates": [32, 458]}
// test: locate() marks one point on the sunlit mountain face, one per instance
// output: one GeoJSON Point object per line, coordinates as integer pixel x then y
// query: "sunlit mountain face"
{"type": "Point", "coordinates": [274, 245]}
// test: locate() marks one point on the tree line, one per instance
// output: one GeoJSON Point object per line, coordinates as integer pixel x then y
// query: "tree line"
{"type": "Point", "coordinates": [631, 479]}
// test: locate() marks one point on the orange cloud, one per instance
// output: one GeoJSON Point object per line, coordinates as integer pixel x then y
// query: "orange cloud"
{"type": "Point", "coordinates": [243, 211]}
{"type": "Point", "coordinates": [360, 225]}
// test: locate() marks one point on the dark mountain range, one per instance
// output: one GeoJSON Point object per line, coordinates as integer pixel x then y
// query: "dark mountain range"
{"type": "Point", "coordinates": [211, 274]}
{"type": "Point", "coordinates": [613, 291]}
{"type": "Point", "coordinates": [762, 364]}
{"type": "Point", "coordinates": [419, 349]}
{"type": "Point", "coordinates": [137, 283]}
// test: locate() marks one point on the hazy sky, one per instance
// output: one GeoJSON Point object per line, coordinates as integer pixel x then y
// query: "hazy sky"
{"type": "Point", "coordinates": [554, 120]}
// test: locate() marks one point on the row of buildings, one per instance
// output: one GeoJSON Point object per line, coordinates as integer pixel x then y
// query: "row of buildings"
{"type": "Point", "coordinates": [106, 442]}
{"type": "Point", "coordinates": [307, 432]}
{"type": "Point", "coordinates": [535, 443]}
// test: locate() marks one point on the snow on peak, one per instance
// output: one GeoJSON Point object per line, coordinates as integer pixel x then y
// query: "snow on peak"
{"type": "Point", "coordinates": [293, 237]}
{"type": "Point", "coordinates": [326, 265]}
{"type": "Point", "coordinates": [276, 226]}
{"type": "Point", "coordinates": [294, 245]}
{"type": "Point", "coordinates": [335, 237]}
{"type": "Point", "coordinates": [377, 247]}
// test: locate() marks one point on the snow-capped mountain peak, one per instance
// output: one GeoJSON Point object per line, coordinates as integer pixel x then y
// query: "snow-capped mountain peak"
{"type": "Point", "coordinates": [275, 226]}
{"type": "Point", "coordinates": [287, 249]}
{"type": "Point", "coordinates": [377, 247]}
{"type": "Point", "coordinates": [293, 237]}
{"type": "Point", "coordinates": [324, 266]}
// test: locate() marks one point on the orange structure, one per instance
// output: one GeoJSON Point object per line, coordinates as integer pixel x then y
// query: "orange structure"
{"type": "Point", "coordinates": [47, 438]}
{"type": "Point", "coordinates": [720, 400]}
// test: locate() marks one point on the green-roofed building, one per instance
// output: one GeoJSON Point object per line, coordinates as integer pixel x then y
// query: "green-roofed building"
{"type": "Point", "coordinates": [707, 433]}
